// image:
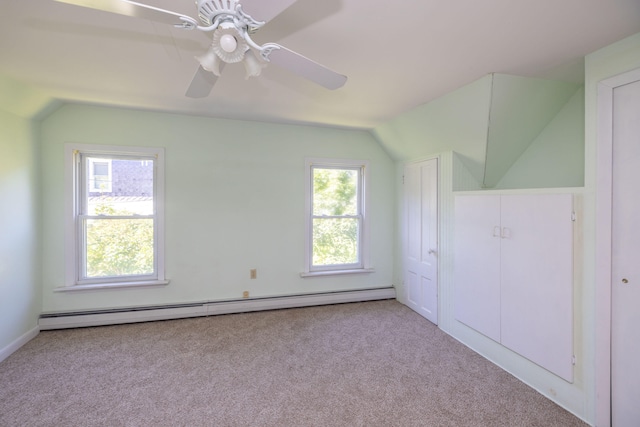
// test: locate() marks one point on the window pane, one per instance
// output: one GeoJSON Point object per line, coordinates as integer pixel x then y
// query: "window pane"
{"type": "Point", "coordinates": [128, 190]}
{"type": "Point", "coordinates": [335, 191]}
{"type": "Point", "coordinates": [335, 241]}
{"type": "Point", "coordinates": [101, 168]}
{"type": "Point", "coordinates": [99, 178]}
{"type": "Point", "coordinates": [119, 247]}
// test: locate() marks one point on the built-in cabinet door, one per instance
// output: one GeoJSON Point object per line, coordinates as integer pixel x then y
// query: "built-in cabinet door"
{"type": "Point", "coordinates": [421, 239]}
{"type": "Point", "coordinates": [537, 279]}
{"type": "Point", "coordinates": [477, 263]}
{"type": "Point", "coordinates": [513, 274]}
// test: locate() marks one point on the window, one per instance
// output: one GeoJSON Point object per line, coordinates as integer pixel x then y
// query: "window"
{"type": "Point", "coordinates": [115, 216]}
{"type": "Point", "coordinates": [336, 217]}
{"type": "Point", "coordinates": [100, 175]}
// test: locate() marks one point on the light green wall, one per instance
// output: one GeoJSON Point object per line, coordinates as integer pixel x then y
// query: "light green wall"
{"type": "Point", "coordinates": [24, 100]}
{"type": "Point", "coordinates": [454, 122]}
{"type": "Point", "coordinates": [489, 124]}
{"type": "Point", "coordinates": [555, 158]}
{"type": "Point", "coordinates": [521, 107]}
{"type": "Point", "coordinates": [234, 201]}
{"type": "Point", "coordinates": [20, 300]}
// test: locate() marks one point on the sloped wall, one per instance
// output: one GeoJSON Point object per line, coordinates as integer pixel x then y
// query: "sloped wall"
{"type": "Point", "coordinates": [455, 122]}
{"type": "Point", "coordinates": [556, 157]}
{"type": "Point", "coordinates": [25, 101]}
{"type": "Point", "coordinates": [489, 124]}
{"type": "Point", "coordinates": [521, 108]}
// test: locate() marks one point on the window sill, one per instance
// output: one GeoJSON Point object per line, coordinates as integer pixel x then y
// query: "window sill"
{"type": "Point", "coordinates": [336, 272]}
{"type": "Point", "coordinates": [112, 285]}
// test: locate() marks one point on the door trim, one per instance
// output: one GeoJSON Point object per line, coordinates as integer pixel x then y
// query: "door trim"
{"type": "Point", "coordinates": [603, 267]}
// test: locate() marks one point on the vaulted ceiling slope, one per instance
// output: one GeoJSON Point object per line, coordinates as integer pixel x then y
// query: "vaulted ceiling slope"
{"type": "Point", "coordinates": [491, 123]}
{"type": "Point", "coordinates": [397, 55]}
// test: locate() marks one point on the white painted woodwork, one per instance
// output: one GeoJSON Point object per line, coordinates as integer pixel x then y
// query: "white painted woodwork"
{"type": "Point", "coordinates": [514, 274]}
{"type": "Point", "coordinates": [477, 272]}
{"type": "Point", "coordinates": [625, 277]}
{"type": "Point", "coordinates": [206, 308]}
{"type": "Point", "coordinates": [537, 279]}
{"type": "Point", "coordinates": [421, 240]}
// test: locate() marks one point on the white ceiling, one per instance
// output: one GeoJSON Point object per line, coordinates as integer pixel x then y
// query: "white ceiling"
{"type": "Point", "coordinates": [397, 54]}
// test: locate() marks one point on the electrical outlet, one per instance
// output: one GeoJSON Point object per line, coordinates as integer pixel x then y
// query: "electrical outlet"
{"type": "Point", "coordinates": [245, 294]}
{"type": "Point", "coordinates": [254, 273]}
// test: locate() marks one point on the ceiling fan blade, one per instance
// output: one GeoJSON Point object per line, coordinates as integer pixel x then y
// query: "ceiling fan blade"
{"type": "Point", "coordinates": [136, 10]}
{"type": "Point", "coordinates": [263, 10]}
{"type": "Point", "coordinates": [202, 83]}
{"type": "Point", "coordinates": [306, 68]}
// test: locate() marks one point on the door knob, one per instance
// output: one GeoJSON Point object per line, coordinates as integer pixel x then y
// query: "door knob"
{"type": "Point", "coordinates": [433, 252]}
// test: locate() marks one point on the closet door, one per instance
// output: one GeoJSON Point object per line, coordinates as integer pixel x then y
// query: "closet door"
{"type": "Point", "coordinates": [477, 263]}
{"type": "Point", "coordinates": [625, 280]}
{"type": "Point", "coordinates": [537, 279]}
{"type": "Point", "coordinates": [421, 247]}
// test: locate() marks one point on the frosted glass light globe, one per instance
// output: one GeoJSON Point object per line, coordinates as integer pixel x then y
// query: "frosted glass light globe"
{"type": "Point", "coordinates": [228, 43]}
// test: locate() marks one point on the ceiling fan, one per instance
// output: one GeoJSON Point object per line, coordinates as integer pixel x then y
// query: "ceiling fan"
{"type": "Point", "coordinates": [232, 28]}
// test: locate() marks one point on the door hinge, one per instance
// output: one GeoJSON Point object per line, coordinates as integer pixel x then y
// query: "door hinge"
{"type": "Point", "coordinates": [573, 359]}
{"type": "Point", "coordinates": [573, 216]}
{"type": "Point", "coordinates": [403, 179]}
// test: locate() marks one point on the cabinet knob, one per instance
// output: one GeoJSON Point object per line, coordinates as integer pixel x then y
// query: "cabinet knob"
{"type": "Point", "coordinates": [506, 233]}
{"type": "Point", "coordinates": [625, 281]}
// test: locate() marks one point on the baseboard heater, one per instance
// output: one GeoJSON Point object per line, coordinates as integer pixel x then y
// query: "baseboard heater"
{"type": "Point", "coordinates": [117, 316]}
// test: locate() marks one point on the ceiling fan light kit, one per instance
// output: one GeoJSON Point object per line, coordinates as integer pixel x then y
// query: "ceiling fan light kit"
{"type": "Point", "coordinates": [228, 45]}
{"type": "Point", "coordinates": [231, 40]}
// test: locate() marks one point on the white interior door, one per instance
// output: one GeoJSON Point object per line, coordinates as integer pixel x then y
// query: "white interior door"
{"type": "Point", "coordinates": [625, 233]}
{"type": "Point", "coordinates": [421, 239]}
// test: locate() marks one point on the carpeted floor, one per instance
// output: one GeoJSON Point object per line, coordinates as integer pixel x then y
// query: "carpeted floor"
{"type": "Point", "coordinates": [364, 364]}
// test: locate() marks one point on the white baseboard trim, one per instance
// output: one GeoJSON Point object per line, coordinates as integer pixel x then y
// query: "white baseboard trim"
{"type": "Point", "coordinates": [15, 345]}
{"type": "Point", "coordinates": [208, 308]}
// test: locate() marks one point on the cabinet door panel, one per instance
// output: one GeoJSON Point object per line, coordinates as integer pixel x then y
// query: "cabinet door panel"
{"type": "Point", "coordinates": [477, 263]}
{"type": "Point", "coordinates": [537, 280]}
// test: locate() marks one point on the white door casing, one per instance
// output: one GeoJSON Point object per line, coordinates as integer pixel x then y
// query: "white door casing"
{"type": "Point", "coordinates": [625, 269]}
{"type": "Point", "coordinates": [421, 238]}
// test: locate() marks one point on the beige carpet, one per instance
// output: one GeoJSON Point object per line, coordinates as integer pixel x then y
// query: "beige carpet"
{"type": "Point", "coordinates": [365, 364]}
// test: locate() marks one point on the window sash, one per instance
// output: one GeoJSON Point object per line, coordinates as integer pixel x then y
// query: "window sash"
{"type": "Point", "coordinates": [358, 264]}
{"type": "Point", "coordinates": [85, 173]}
{"type": "Point", "coordinates": [83, 276]}
{"type": "Point", "coordinates": [91, 181]}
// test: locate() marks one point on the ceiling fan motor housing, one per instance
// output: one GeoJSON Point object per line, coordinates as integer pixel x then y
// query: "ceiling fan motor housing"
{"type": "Point", "coordinates": [208, 10]}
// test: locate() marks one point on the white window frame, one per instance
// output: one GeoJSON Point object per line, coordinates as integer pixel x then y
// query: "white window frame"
{"type": "Point", "coordinates": [74, 234]}
{"type": "Point", "coordinates": [363, 264]}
